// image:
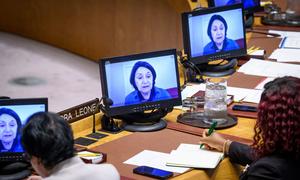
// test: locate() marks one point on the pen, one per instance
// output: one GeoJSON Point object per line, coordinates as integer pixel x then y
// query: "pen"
{"type": "Point", "coordinates": [210, 130]}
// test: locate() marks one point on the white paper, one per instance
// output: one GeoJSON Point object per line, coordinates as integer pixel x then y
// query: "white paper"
{"type": "Point", "coordinates": [192, 89]}
{"type": "Point", "coordinates": [286, 55]}
{"type": "Point", "coordinates": [262, 84]}
{"type": "Point", "coordinates": [154, 159]}
{"type": "Point", "coordinates": [286, 33]}
{"type": "Point", "coordinates": [190, 155]}
{"type": "Point", "coordinates": [290, 42]}
{"type": "Point", "coordinates": [239, 94]}
{"type": "Point", "coordinates": [269, 69]}
{"type": "Point", "coordinates": [253, 97]}
{"type": "Point", "coordinates": [244, 94]}
{"type": "Point", "coordinates": [188, 147]}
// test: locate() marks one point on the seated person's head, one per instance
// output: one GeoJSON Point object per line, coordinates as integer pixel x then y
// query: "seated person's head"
{"type": "Point", "coordinates": [217, 29]}
{"type": "Point", "coordinates": [142, 77]}
{"type": "Point", "coordinates": [278, 124]}
{"type": "Point", "coordinates": [47, 139]}
{"type": "Point", "coordinates": [10, 125]}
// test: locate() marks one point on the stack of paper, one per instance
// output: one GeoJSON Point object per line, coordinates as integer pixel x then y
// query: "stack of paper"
{"type": "Point", "coordinates": [154, 159]}
{"type": "Point", "coordinates": [286, 55]}
{"type": "Point", "coordinates": [269, 69]}
{"type": "Point", "coordinates": [190, 155]}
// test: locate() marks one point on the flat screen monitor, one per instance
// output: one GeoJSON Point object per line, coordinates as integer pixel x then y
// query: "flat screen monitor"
{"type": "Point", "coordinates": [140, 82]}
{"type": "Point", "coordinates": [214, 33]}
{"type": "Point", "coordinates": [13, 116]}
{"type": "Point", "coordinates": [250, 6]}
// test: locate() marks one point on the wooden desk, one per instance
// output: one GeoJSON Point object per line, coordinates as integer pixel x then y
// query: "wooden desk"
{"type": "Point", "coordinates": [226, 169]}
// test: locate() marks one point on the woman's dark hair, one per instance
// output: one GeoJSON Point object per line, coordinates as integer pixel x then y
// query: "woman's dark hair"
{"type": "Point", "coordinates": [216, 17]}
{"type": "Point", "coordinates": [134, 69]}
{"type": "Point", "coordinates": [17, 118]}
{"type": "Point", "coordinates": [48, 137]}
{"type": "Point", "coordinates": [277, 128]}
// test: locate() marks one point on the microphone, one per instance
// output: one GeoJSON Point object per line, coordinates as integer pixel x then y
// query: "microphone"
{"type": "Point", "coordinates": [107, 123]}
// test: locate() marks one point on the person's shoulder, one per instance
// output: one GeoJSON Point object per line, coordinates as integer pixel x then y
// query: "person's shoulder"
{"type": "Point", "coordinates": [232, 44]}
{"type": "Point", "coordinates": [131, 97]}
{"type": "Point", "coordinates": [274, 166]}
{"type": "Point", "coordinates": [104, 171]}
{"type": "Point", "coordinates": [208, 48]}
{"type": "Point", "coordinates": [161, 91]}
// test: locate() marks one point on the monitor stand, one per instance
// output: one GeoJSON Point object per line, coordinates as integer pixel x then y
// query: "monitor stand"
{"type": "Point", "coordinates": [217, 70]}
{"type": "Point", "coordinates": [145, 122]}
{"type": "Point", "coordinates": [144, 127]}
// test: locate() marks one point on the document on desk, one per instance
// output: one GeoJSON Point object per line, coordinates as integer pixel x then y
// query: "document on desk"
{"type": "Point", "coordinates": [239, 94]}
{"type": "Point", "coordinates": [290, 42]}
{"type": "Point", "coordinates": [286, 55]}
{"type": "Point", "coordinates": [269, 69]}
{"type": "Point", "coordinates": [286, 33]}
{"type": "Point", "coordinates": [190, 155]}
{"type": "Point", "coordinates": [262, 84]}
{"type": "Point", "coordinates": [154, 159]}
{"type": "Point", "coordinates": [245, 95]}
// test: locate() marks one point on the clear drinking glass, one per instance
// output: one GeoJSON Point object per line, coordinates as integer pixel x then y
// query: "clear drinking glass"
{"type": "Point", "coordinates": [215, 106]}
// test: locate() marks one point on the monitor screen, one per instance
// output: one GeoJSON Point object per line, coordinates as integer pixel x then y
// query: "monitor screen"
{"type": "Point", "coordinates": [13, 116]}
{"type": "Point", "coordinates": [214, 33]}
{"type": "Point", "coordinates": [250, 6]}
{"type": "Point", "coordinates": [140, 82]}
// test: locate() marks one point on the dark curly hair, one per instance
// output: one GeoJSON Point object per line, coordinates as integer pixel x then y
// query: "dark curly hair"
{"type": "Point", "coordinates": [277, 130]}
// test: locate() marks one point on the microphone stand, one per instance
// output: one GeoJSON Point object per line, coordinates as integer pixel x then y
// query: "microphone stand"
{"type": "Point", "coordinates": [95, 134]}
{"type": "Point", "coordinates": [108, 123]}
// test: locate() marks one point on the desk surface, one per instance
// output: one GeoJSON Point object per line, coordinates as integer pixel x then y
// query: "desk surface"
{"type": "Point", "coordinates": [243, 129]}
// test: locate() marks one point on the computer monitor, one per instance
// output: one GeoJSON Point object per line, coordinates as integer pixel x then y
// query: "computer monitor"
{"type": "Point", "coordinates": [134, 84]}
{"type": "Point", "coordinates": [213, 34]}
{"type": "Point", "coordinates": [250, 6]}
{"type": "Point", "coordinates": [13, 116]}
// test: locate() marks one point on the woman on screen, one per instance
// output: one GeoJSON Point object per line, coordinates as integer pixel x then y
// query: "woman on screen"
{"type": "Point", "coordinates": [10, 125]}
{"type": "Point", "coordinates": [275, 152]}
{"type": "Point", "coordinates": [217, 32]}
{"type": "Point", "coordinates": [142, 78]}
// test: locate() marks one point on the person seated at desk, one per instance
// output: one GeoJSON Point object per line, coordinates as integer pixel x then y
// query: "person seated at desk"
{"type": "Point", "coordinates": [49, 145]}
{"type": "Point", "coordinates": [142, 78]}
{"type": "Point", "coordinates": [275, 152]}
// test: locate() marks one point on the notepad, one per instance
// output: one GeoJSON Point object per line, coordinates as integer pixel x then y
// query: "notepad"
{"type": "Point", "coordinates": [190, 155]}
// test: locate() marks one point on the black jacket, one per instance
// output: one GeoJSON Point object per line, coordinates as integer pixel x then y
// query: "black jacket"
{"type": "Point", "coordinates": [269, 167]}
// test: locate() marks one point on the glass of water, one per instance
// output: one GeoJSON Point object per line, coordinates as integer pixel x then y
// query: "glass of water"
{"type": "Point", "coordinates": [215, 106]}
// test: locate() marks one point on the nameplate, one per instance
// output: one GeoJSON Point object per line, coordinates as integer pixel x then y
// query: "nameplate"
{"type": "Point", "coordinates": [80, 111]}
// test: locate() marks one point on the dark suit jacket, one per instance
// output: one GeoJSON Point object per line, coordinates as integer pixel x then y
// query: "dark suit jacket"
{"type": "Point", "coordinates": [270, 167]}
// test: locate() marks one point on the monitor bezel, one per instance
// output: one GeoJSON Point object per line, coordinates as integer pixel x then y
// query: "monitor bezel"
{"type": "Point", "coordinates": [21, 101]}
{"type": "Point", "coordinates": [135, 108]}
{"type": "Point", "coordinates": [216, 56]}
{"type": "Point", "coordinates": [211, 3]}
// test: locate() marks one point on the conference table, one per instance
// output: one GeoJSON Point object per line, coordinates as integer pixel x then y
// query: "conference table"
{"type": "Point", "coordinates": [242, 131]}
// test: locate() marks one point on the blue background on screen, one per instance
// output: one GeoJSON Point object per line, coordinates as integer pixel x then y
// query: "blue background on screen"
{"type": "Point", "coordinates": [198, 29]}
{"type": "Point", "coordinates": [246, 3]}
{"type": "Point", "coordinates": [118, 75]}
